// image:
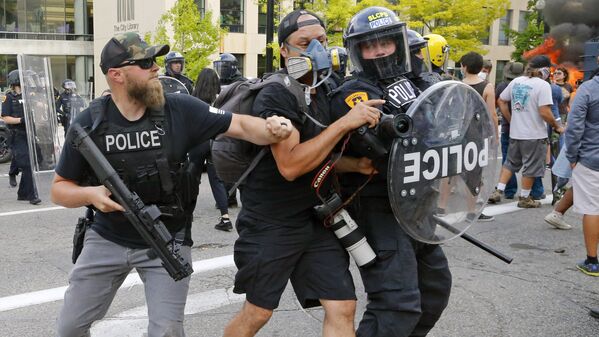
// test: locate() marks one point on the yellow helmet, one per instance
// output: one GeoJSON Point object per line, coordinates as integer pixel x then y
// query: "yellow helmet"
{"type": "Point", "coordinates": [438, 50]}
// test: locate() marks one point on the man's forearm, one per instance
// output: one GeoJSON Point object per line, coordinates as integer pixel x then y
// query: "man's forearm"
{"type": "Point", "coordinates": [505, 111]}
{"type": "Point", "coordinates": [12, 120]}
{"type": "Point", "coordinates": [68, 194]}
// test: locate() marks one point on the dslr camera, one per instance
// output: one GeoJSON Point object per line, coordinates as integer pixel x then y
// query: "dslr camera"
{"type": "Point", "coordinates": [346, 230]}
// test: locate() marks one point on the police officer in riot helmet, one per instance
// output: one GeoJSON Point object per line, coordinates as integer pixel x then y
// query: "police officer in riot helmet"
{"type": "Point", "coordinates": [409, 284]}
{"type": "Point", "coordinates": [68, 104]}
{"type": "Point", "coordinates": [227, 69]}
{"type": "Point", "coordinates": [175, 64]}
{"type": "Point", "coordinates": [421, 73]}
{"type": "Point", "coordinates": [438, 52]}
{"type": "Point", "coordinates": [13, 115]}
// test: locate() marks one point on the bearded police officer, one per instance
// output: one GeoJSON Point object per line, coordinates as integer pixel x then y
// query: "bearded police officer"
{"type": "Point", "coordinates": [408, 286]}
{"type": "Point", "coordinates": [175, 64]}
{"type": "Point", "coordinates": [13, 115]}
{"type": "Point", "coordinates": [145, 136]}
{"type": "Point", "coordinates": [279, 239]}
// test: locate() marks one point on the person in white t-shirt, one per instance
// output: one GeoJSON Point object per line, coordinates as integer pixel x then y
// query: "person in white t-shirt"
{"type": "Point", "coordinates": [530, 99]}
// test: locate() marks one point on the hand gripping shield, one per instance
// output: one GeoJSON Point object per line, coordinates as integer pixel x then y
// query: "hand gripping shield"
{"type": "Point", "coordinates": [441, 176]}
{"type": "Point", "coordinates": [171, 85]}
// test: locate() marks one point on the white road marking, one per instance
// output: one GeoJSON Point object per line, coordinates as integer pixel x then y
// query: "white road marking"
{"type": "Point", "coordinates": [55, 294]}
{"type": "Point", "coordinates": [33, 210]}
{"type": "Point", "coordinates": [134, 322]}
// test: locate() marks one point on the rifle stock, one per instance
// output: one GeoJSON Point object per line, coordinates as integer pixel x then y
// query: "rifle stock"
{"type": "Point", "coordinates": [144, 218]}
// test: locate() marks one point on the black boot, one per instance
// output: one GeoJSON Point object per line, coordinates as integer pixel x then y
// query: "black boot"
{"type": "Point", "coordinates": [12, 180]}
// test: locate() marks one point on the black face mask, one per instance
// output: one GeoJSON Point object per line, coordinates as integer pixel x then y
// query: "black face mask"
{"type": "Point", "coordinates": [382, 68]}
{"type": "Point", "coordinates": [417, 65]}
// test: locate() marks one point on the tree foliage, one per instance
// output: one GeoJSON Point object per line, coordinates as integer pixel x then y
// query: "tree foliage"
{"type": "Point", "coordinates": [463, 23]}
{"type": "Point", "coordinates": [186, 31]}
{"type": "Point", "coordinates": [531, 37]}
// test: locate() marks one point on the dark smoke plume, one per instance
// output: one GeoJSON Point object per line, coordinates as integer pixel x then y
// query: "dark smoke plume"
{"type": "Point", "coordinates": [572, 22]}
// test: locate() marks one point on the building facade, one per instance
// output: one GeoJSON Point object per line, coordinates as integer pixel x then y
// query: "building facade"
{"type": "Point", "coordinates": [60, 29]}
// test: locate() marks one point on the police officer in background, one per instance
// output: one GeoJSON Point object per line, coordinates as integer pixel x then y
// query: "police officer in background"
{"type": "Point", "coordinates": [13, 115]}
{"type": "Point", "coordinates": [408, 286]}
{"type": "Point", "coordinates": [279, 237]}
{"type": "Point", "coordinates": [420, 74]}
{"type": "Point", "coordinates": [68, 103]}
{"type": "Point", "coordinates": [438, 52]}
{"type": "Point", "coordinates": [227, 69]}
{"type": "Point", "coordinates": [175, 64]}
{"type": "Point", "coordinates": [166, 128]}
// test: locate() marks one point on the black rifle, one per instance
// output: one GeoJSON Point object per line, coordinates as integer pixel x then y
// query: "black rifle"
{"type": "Point", "coordinates": [145, 218]}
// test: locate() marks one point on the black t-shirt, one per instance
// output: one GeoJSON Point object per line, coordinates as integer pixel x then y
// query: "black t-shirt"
{"type": "Point", "coordinates": [266, 195]}
{"type": "Point", "coordinates": [189, 122]}
{"type": "Point", "coordinates": [505, 125]}
{"type": "Point", "coordinates": [13, 107]}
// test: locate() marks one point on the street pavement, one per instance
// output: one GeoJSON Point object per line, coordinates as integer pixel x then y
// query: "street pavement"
{"type": "Point", "coordinates": [540, 294]}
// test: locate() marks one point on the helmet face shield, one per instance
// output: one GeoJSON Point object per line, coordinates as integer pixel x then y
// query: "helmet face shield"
{"type": "Point", "coordinates": [380, 54]}
{"type": "Point", "coordinates": [224, 69]}
{"type": "Point", "coordinates": [69, 85]}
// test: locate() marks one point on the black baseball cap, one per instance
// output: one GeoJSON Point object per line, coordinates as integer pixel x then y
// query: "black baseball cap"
{"type": "Point", "coordinates": [289, 23]}
{"type": "Point", "coordinates": [540, 61]}
{"type": "Point", "coordinates": [128, 47]}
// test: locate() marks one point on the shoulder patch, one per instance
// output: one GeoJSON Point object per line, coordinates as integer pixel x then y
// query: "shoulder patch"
{"type": "Point", "coordinates": [356, 98]}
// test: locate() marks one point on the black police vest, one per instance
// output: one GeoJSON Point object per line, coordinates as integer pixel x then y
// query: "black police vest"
{"type": "Point", "coordinates": [139, 154]}
{"type": "Point", "coordinates": [65, 101]}
{"type": "Point", "coordinates": [16, 102]}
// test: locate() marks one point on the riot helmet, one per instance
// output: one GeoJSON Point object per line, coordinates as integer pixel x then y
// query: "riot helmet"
{"type": "Point", "coordinates": [69, 85]}
{"type": "Point", "coordinates": [226, 66]}
{"type": "Point", "coordinates": [13, 78]}
{"type": "Point", "coordinates": [376, 31]}
{"type": "Point", "coordinates": [174, 57]}
{"type": "Point", "coordinates": [438, 50]}
{"type": "Point", "coordinates": [418, 44]}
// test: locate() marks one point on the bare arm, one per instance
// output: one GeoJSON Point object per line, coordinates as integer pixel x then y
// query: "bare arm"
{"type": "Point", "coordinates": [295, 159]}
{"type": "Point", "coordinates": [259, 131]}
{"type": "Point", "coordinates": [12, 120]}
{"type": "Point", "coordinates": [67, 193]}
{"type": "Point", "coordinates": [489, 97]}
{"type": "Point", "coordinates": [351, 164]}
{"type": "Point", "coordinates": [505, 110]}
{"type": "Point", "coordinates": [547, 115]}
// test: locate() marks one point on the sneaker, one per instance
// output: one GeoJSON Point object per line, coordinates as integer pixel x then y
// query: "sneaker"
{"type": "Point", "coordinates": [495, 197]}
{"type": "Point", "coordinates": [594, 312]}
{"type": "Point", "coordinates": [224, 225]}
{"type": "Point", "coordinates": [591, 269]}
{"type": "Point", "coordinates": [35, 201]}
{"type": "Point", "coordinates": [528, 202]}
{"type": "Point", "coordinates": [541, 197]}
{"type": "Point", "coordinates": [485, 218]}
{"type": "Point", "coordinates": [556, 220]}
{"type": "Point", "coordinates": [12, 180]}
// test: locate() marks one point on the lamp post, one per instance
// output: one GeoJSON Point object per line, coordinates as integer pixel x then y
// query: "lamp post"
{"type": "Point", "coordinates": [540, 6]}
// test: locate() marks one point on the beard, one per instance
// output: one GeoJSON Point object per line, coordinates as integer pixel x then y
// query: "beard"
{"type": "Point", "coordinates": [148, 93]}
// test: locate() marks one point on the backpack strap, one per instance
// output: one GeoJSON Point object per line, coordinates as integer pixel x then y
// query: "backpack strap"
{"type": "Point", "coordinates": [247, 171]}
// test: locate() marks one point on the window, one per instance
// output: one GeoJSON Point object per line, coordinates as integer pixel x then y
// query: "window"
{"type": "Point", "coordinates": [505, 23]}
{"type": "Point", "coordinates": [231, 15]}
{"type": "Point", "coordinates": [201, 4]}
{"type": "Point", "coordinates": [261, 65]}
{"type": "Point", "coordinates": [8, 63]}
{"type": "Point", "coordinates": [262, 18]}
{"type": "Point", "coordinates": [47, 19]}
{"type": "Point", "coordinates": [522, 21]}
{"type": "Point", "coordinates": [486, 40]}
{"type": "Point", "coordinates": [499, 71]}
{"type": "Point", "coordinates": [240, 62]}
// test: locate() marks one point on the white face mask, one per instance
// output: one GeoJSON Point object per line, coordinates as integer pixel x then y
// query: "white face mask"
{"type": "Point", "coordinates": [482, 76]}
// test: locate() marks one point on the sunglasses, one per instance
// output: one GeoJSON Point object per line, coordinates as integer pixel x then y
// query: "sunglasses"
{"type": "Point", "coordinates": [143, 63]}
{"type": "Point", "coordinates": [558, 73]}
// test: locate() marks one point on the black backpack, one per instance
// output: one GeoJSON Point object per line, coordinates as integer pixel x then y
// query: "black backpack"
{"type": "Point", "coordinates": [234, 159]}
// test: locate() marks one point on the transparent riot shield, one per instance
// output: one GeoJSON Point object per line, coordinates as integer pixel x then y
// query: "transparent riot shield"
{"type": "Point", "coordinates": [77, 104]}
{"type": "Point", "coordinates": [171, 85]}
{"type": "Point", "coordinates": [441, 176]}
{"type": "Point", "coordinates": [40, 113]}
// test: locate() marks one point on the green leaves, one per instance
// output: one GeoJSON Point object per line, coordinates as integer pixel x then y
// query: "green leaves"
{"type": "Point", "coordinates": [186, 31]}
